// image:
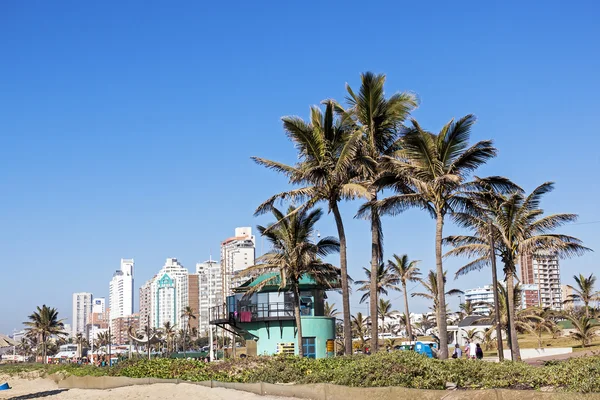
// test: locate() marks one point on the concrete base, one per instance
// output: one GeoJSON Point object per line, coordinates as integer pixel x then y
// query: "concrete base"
{"type": "Point", "coordinates": [543, 352]}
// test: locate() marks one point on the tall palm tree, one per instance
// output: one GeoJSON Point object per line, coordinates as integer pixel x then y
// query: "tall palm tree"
{"type": "Point", "coordinates": [169, 331]}
{"type": "Point", "coordinates": [430, 173]}
{"type": "Point", "coordinates": [386, 280]}
{"type": "Point", "coordinates": [43, 324]}
{"type": "Point", "coordinates": [406, 271]}
{"type": "Point", "coordinates": [187, 315]}
{"type": "Point", "coordinates": [518, 227]}
{"type": "Point", "coordinates": [430, 284]}
{"type": "Point", "coordinates": [330, 310]}
{"type": "Point", "coordinates": [585, 329]}
{"type": "Point", "coordinates": [293, 255]}
{"type": "Point", "coordinates": [584, 292]}
{"type": "Point", "coordinates": [360, 328]}
{"type": "Point", "coordinates": [326, 149]}
{"type": "Point", "coordinates": [380, 121]}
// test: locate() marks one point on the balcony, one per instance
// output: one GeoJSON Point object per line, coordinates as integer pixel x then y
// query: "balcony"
{"type": "Point", "coordinates": [256, 313]}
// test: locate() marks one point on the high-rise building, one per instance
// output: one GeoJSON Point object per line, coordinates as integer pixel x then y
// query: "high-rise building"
{"type": "Point", "coordinates": [146, 302]}
{"type": "Point", "coordinates": [99, 305]}
{"type": "Point", "coordinates": [482, 299]}
{"type": "Point", "coordinates": [237, 254]}
{"type": "Point", "coordinates": [121, 290]}
{"type": "Point", "coordinates": [209, 273]}
{"type": "Point", "coordinates": [193, 300]}
{"type": "Point", "coordinates": [541, 268]}
{"type": "Point", "coordinates": [567, 292]}
{"type": "Point", "coordinates": [82, 308]}
{"type": "Point", "coordinates": [169, 294]}
{"type": "Point", "coordinates": [97, 320]}
{"type": "Point", "coordinates": [529, 295]}
{"type": "Point", "coordinates": [120, 328]}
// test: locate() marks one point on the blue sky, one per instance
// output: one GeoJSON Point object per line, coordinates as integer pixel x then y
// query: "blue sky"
{"type": "Point", "coordinates": [127, 128]}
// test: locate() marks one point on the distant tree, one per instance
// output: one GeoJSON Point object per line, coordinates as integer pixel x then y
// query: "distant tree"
{"type": "Point", "coordinates": [584, 292]}
{"type": "Point", "coordinates": [585, 329]}
{"type": "Point", "coordinates": [406, 271]}
{"type": "Point", "coordinates": [43, 324]}
{"type": "Point", "coordinates": [386, 280]}
{"type": "Point", "coordinates": [330, 310]}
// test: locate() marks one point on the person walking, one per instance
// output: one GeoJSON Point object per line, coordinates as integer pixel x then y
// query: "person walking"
{"type": "Point", "coordinates": [478, 352]}
{"type": "Point", "coordinates": [457, 351]}
{"type": "Point", "coordinates": [472, 350]}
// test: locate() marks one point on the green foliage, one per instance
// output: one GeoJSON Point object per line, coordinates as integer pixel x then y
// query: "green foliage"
{"type": "Point", "coordinates": [401, 368]}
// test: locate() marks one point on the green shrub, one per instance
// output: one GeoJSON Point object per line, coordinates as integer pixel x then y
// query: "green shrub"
{"type": "Point", "coordinates": [404, 368]}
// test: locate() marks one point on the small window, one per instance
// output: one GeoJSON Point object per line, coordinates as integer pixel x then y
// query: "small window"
{"type": "Point", "coordinates": [309, 347]}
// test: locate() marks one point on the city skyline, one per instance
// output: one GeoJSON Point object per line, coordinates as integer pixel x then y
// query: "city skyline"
{"type": "Point", "coordinates": [127, 143]}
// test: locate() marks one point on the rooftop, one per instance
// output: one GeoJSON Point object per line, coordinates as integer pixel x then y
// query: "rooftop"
{"type": "Point", "coordinates": [306, 282]}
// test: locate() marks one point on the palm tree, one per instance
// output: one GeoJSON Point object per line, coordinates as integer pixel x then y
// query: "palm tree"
{"type": "Point", "coordinates": [473, 334]}
{"type": "Point", "coordinates": [294, 255]}
{"type": "Point", "coordinates": [43, 324]}
{"type": "Point", "coordinates": [488, 341]}
{"type": "Point", "coordinates": [467, 308]}
{"type": "Point", "coordinates": [584, 292]}
{"type": "Point", "coordinates": [406, 271]}
{"type": "Point", "coordinates": [425, 324]}
{"type": "Point", "coordinates": [518, 227]}
{"type": "Point", "coordinates": [386, 280]}
{"type": "Point", "coordinates": [585, 329]}
{"type": "Point", "coordinates": [431, 290]}
{"type": "Point", "coordinates": [523, 318]}
{"type": "Point", "coordinates": [380, 121]}
{"type": "Point", "coordinates": [187, 315]}
{"type": "Point", "coordinates": [326, 147]}
{"type": "Point", "coordinates": [169, 332]}
{"type": "Point", "coordinates": [544, 322]}
{"type": "Point", "coordinates": [330, 310]}
{"type": "Point", "coordinates": [384, 310]}
{"type": "Point", "coordinates": [360, 328]}
{"type": "Point", "coordinates": [430, 172]}
{"type": "Point", "coordinates": [25, 347]}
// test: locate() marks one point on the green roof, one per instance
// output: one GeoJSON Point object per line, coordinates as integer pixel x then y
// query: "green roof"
{"type": "Point", "coordinates": [306, 282]}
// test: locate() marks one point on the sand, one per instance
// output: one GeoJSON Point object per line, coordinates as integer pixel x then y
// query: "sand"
{"type": "Point", "coordinates": [23, 389]}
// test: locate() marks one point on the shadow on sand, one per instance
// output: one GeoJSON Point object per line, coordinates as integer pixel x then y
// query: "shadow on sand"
{"type": "Point", "coordinates": [38, 395]}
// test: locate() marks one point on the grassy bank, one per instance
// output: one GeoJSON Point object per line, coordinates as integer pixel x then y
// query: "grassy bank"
{"type": "Point", "coordinates": [405, 369]}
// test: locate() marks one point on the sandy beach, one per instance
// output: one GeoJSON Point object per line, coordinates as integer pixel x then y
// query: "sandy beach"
{"type": "Point", "coordinates": [24, 389]}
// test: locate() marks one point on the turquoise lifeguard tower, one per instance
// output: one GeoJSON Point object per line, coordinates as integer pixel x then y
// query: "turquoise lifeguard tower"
{"type": "Point", "coordinates": [266, 318]}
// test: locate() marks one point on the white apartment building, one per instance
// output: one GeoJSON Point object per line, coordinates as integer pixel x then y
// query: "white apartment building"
{"type": "Point", "coordinates": [542, 269]}
{"type": "Point", "coordinates": [210, 287]}
{"type": "Point", "coordinates": [237, 254]}
{"type": "Point", "coordinates": [121, 290]}
{"type": "Point", "coordinates": [82, 308]}
{"type": "Point", "coordinates": [99, 305]}
{"type": "Point", "coordinates": [482, 299]}
{"type": "Point", "coordinates": [169, 294]}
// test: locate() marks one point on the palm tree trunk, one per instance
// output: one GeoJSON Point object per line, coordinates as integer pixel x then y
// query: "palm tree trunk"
{"type": "Point", "coordinates": [184, 337]}
{"type": "Point", "coordinates": [441, 294]}
{"type": "Point", "coordinates": [514, 344]}
{"type": "Point", "coordinates": [407, 313]}
{"type": "Point", "coordinates": [344, 270]}
{"type": "Point", "coordinates": [375, 257]}
{"type": "Point", "coordinates": [44, 349]}
{"type": "Point", "coordinates": [298, 320]}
